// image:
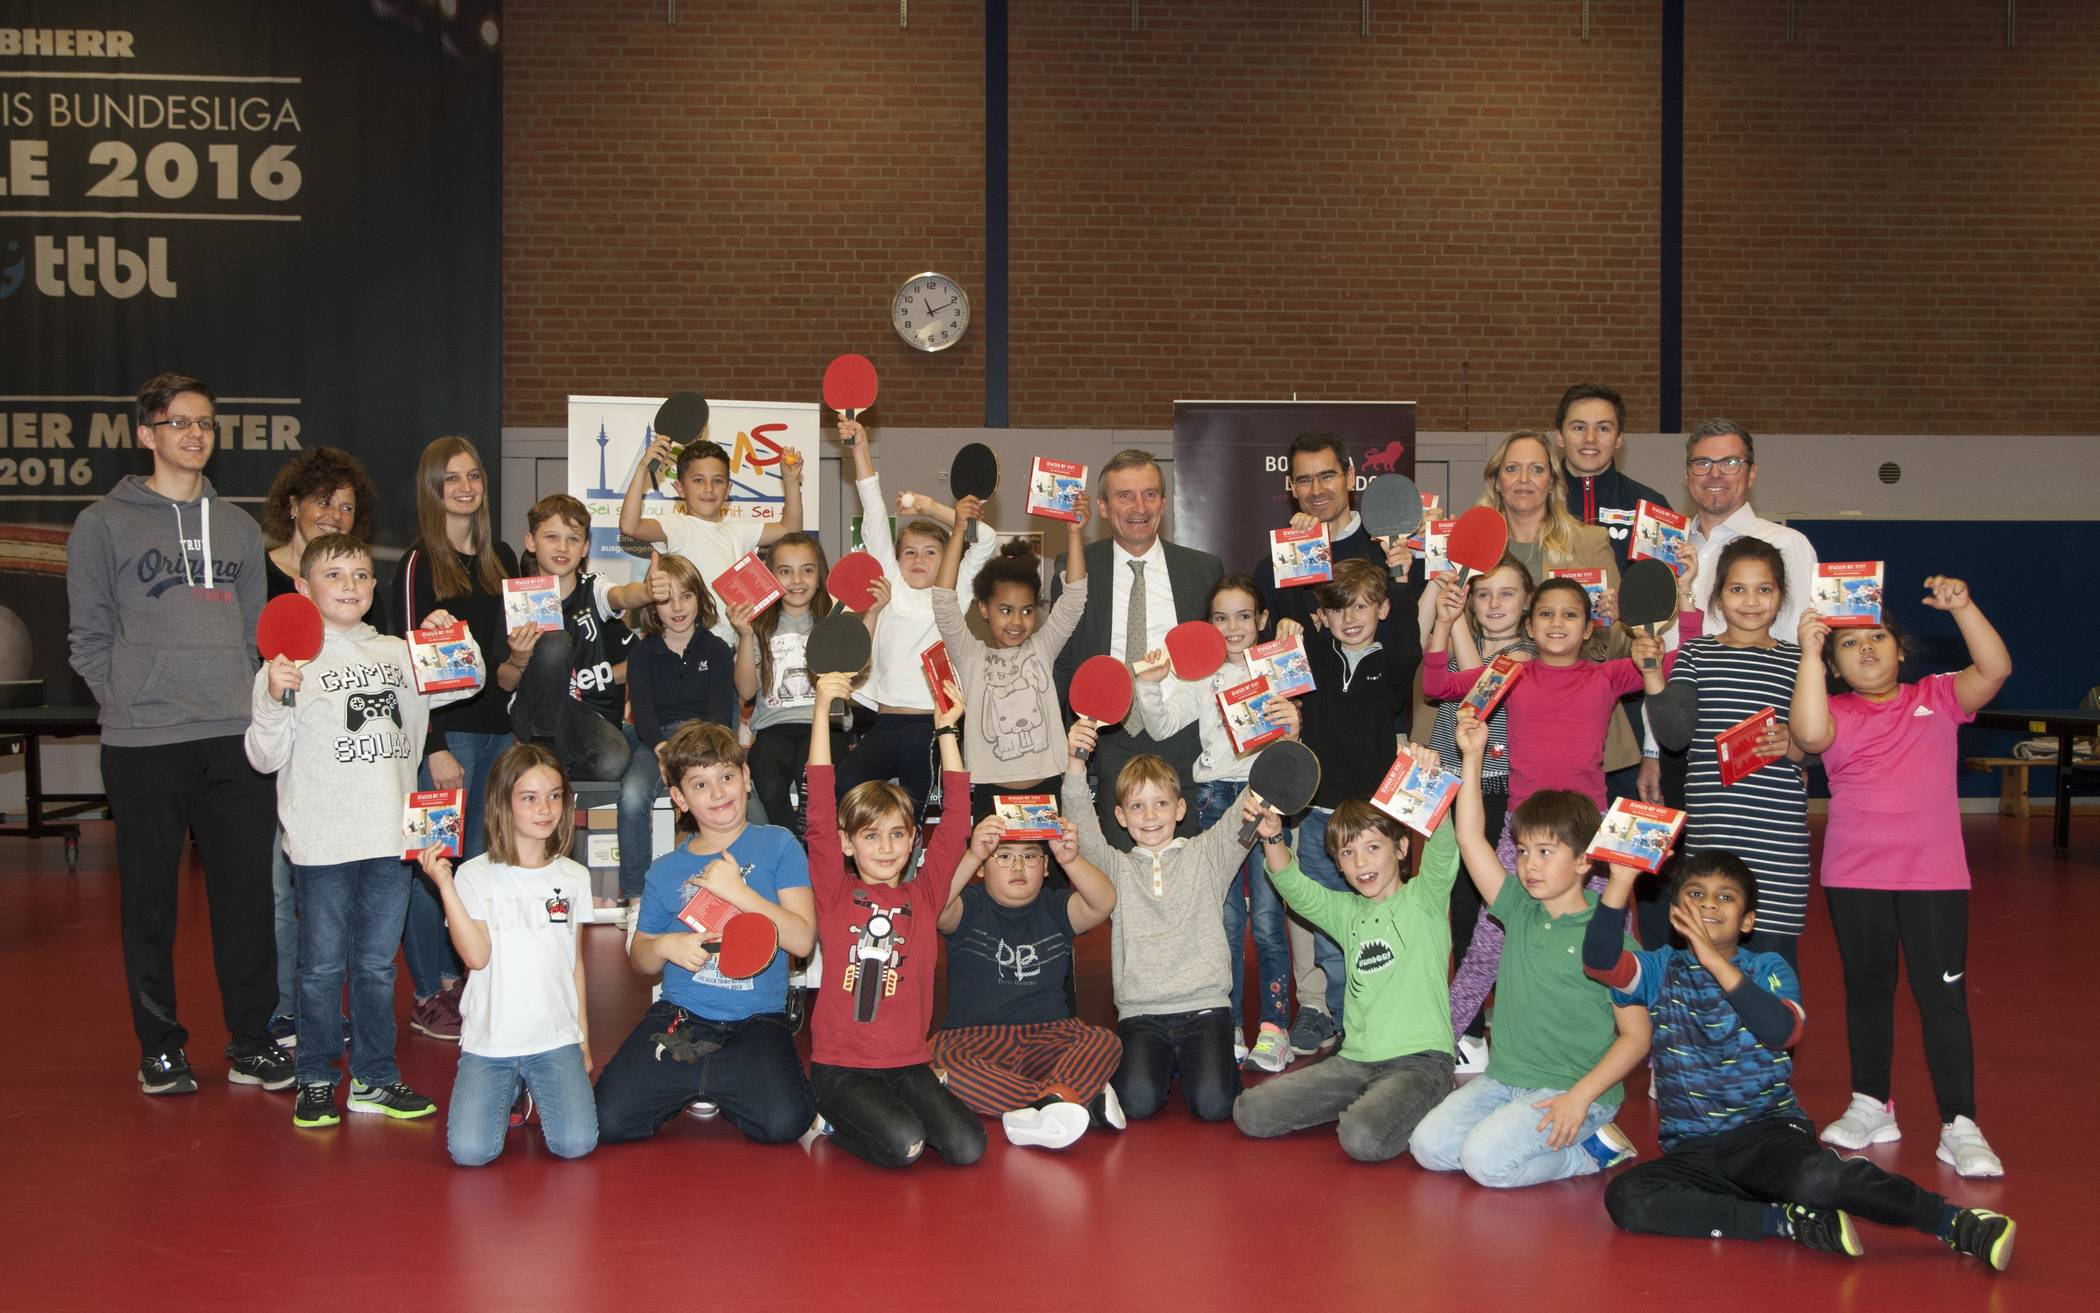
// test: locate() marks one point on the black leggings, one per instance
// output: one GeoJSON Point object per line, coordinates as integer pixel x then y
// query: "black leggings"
{"type": "Point", "coordinates": [896, 747]}
{"type": "Point", "coordinates": [1723, 1185]}
{"type": "Point", "coordinates": [776, 758]}
{"type": "Point", "coordinates": [886, 1115]}
{"type": "Point", "coordinates": [1932, 929]}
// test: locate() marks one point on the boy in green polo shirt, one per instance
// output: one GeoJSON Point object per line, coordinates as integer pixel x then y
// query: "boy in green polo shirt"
{"type": "Point", "coordinates": [1543, 1111]}
{"type": "Point", "coordinates": [1395, 1062]}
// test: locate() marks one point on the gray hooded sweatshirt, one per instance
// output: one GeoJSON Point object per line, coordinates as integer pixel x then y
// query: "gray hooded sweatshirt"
{"type": "Point", "coordinates": [163, 598]}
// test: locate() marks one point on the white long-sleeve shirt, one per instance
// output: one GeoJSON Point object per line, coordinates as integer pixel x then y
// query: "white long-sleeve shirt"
{"type": "Point", "coordinates": [906, 626]}
{"type": "Point", "coordinates": [1166, 707]}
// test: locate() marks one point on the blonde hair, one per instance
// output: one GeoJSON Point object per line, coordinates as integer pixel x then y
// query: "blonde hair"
{"type": "Point", "coordinates": [865, 804]}
{"type": "Point", "coordinates": [1557, 542]}
{"type": "Point", "coordinates": [683, 574]}
{"type": "Point", "coordinates": [1148, 769]}
{"type": "Point", "coordinates": [447, 579]}
{"type": "Point", "coordinates": [501, 829]}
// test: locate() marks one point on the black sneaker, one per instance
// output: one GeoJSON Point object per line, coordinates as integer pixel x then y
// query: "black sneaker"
{"type": "Point", "coordinates": [259, 1064]}
{"type": "Point", "coordinates": [1105, 1111]}
{"type": "Point", "coordinates": [1825, 1230]}
{"type": "Point", "coordinates": [316, 1106]}
{"type": "Point", "coordinates": [390, 1100]}
{"type": "Point", "coordinates": [283, 1031]}
{"type": "Point", "coordinates": [1981, 1233]}
{"type": "Point", "coordinates": [167, 1073]}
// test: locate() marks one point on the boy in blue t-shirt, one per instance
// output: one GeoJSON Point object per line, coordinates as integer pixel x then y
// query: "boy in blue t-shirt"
{"type": "Point", "coordinates": [1739, 1158]}
{"type": "Point", "coordinates": [707, 1036]}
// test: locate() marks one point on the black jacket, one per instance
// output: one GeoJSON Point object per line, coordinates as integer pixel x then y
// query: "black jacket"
{"type": "Point", "coordinates": [1609, 491]}
{"type": "Point", "coordinates": [1349, 722]}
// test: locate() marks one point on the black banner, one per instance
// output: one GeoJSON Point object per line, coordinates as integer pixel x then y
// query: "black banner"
{"type": "Point", "coordinates": [298, 203]}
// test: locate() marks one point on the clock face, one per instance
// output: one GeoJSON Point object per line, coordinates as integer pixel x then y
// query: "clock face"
{"type": "Point", "coordinates": [930, 312]}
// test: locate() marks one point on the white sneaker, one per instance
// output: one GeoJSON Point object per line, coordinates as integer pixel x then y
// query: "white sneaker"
{"type": "Point", "coordinates": [1239, 1051]}
{"type": "Point", "coordinates": [1866, 1121]}
{"type": "Point", "coordinates": [1472, 1055]}
{"type": "Point", "coordinates": [1052, 1127]}
{"type": "Point", "coordinates": [703, 1109]}
{"type": "Point", "coordinates": [1962, 1147]}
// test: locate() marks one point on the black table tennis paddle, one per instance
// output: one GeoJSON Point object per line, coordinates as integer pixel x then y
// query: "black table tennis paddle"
{"type": "Point", "coordinates": [1286, 776]}
{"type": "Point", "coordinates": [974, 473]}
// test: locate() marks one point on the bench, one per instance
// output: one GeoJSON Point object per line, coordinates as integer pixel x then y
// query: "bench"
{"type": "Point", "coordinates": [2012, 785]}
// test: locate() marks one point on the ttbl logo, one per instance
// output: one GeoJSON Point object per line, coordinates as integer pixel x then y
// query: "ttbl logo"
{"type": "Point", "coordinates": [87, 266]}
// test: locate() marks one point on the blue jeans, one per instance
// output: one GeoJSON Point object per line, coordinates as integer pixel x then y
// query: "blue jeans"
{"type": "Point", "coordinates": [1314, 861]}
{"type": "Point", "coordinates": [1251, 897]}
{"type": "Point", "coordinates": [424, 944]}
{"type": "Point", "coordinates": [1491, 1131]}
{"type": "Point", "coordinates": [286, 926]}
{"type": "Point", "coordinates": [349, 921]}
{"type": "Point", "coordinates": [482, 1093]}
{"type": "Point", "coordinates": [640, 787]}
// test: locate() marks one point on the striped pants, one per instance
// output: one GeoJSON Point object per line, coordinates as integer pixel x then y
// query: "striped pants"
{"type": "Point", "coordinates": [996, 1069]}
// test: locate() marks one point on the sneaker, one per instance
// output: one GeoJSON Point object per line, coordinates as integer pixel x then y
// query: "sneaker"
{"type": "Point", "coordinates": [1472, 1055]}
{"type": "Point", "coordinates": [1981, 1233]}
{"type": "Point", "coordinates": [703, 1110]}
{"type": "Point", "coordinates": [259, 1064]}
{"type": "Point", "coordinates": [1610, 1147]}
{"type": "Point", "coordinates": [167, 1073]}
{"type": "Point", "coordinates": [1867, 1121]}
{"type": "Point", "coordinates": [1105, 1111]}
{"type": "Point", "coordinates": [521, 1108]}
{"type": "Point", "coordinates": [1313, 1032]}
{"type": "Point", "coordinates": [1962, 1147]}
{"type": "Point", "coordinates": [390, 1100]}
{"type": "Point", "coordinates": [431, 1017]}
{"type": "Point", "coordinates": [316, 1106]}
{"type": "Point", "coordinates": [1271, 1051]}
{"type": "Point", "coordinates": [283, 1032]}
{"type": "Point", "coordinates": [1053, 1126]}
{"type": "Point", "coordinates": [1825, 1230]}
{"type": "Point", "coordinates": [1239, 1051]}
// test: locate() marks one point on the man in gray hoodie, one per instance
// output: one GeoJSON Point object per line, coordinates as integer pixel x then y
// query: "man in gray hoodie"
{"type": "Point", "coordinates": [164, 584]}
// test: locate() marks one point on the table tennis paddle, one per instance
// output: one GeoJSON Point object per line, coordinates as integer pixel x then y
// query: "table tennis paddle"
{"type": "Point", "coordinates": [1286, 777]}
{"type": "Point", "coordinates": [681, 417]}
{"type": "Point", "coordinates": [1647, 597]}
{"type": "Point", "coordinates": [290, 626]}
{"type": "Point", "coordinates": [849, 386]}
{"type": "Point", "coordinates": [852, 581]}
{"type": "Point", "coordinates": [1391, 507]}
{"type": "Point", "coordinates": [1478, 541]}
{"type": "Point", "coordinates": [838, 644]}
{"type": "Point", "coordinates": [973, 473]}
{"type": "Point", "coordinates": [1196, 648]}
{"type": "Point", "coordinates": [1100, 693]}
{"type": "Point", "coordinates": [746, 945]}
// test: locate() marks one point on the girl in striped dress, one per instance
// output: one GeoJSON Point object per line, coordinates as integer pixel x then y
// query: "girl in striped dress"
{"type": "Point", "coordinates": [1763, 817]}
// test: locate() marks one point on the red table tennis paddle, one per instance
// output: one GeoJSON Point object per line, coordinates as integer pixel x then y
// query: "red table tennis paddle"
{"type": "Point", "coordinates": [852, 581]}
{"type": "Point", "coordinates": [1100, 693]}
{"type": "Point", "coordinates": [849, 386]}
{"type": "Point", "coordinates": [290, 626]}
{"type": "Point", "coordinates": [1196, 648]}
{"type": "Point", "coordinates": [1478, 541]}
{"type": "Point", "coordinates": [746, 945]}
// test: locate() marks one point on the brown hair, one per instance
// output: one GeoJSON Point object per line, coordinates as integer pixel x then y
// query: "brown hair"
{"type": "Point", "coordinates": [160, 391]}
{"type": "Point", "coordinates": [1151, 768]}
{"type": "Point", "coordinates": [317, 473]}
{"type": "Point", "coordinates": [865, 804]}
{"type": "Point", "coordinates": [930, 529]}
{"type": "Point", "coordinates": [768, 624]}
{"type": "Point", "coordinates": [328, 547]}
{"type": "Point", "coordinates": [1524, 578]}
{"type": "Point", "coordinates": [1131, 458]}
{"type": "Point", "coordinates": [698, 744]}
{"type": "Point", "coordinates": [1354, 817]}
{"type": "Point", "coordinates": [447, 579]}
{"type": "Point", "coordinates": [684, 574]}
{"type": "Point", "coordinates": [1355, 580]}
{"type": "Point", "coordinates": [1564, 815]}
{"type": "Point", "coordinates": [558, 504]}
{"type": "Point", "coordinates": [1557, 541]}
{"type": "Point", "coordinates": [502, 834]}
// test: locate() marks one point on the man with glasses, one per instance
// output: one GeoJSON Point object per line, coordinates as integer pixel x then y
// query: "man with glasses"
{"type": "Point", "coordinates": [1323, 487]}
{"type": "Point", "coordinates": [164, 584]}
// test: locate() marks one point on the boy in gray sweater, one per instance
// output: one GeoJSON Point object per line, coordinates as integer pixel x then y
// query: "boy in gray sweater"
{"type": "Point", "coordinates": [1173, 984]}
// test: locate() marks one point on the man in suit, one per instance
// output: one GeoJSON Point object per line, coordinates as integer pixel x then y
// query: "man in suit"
{"type": "Point", "coordinates": [1141, 587]}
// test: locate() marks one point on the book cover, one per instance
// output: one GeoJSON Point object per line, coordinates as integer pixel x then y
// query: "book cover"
{"type": "Point", "coordinates": [1847, 594]}
{"type": "Point", "coordinates": [433, 819]}
{"type": "Point", "coordinates": [706, 912]}
{"type": "Point", "coordinates": [1435, 546]}
{"type": "Point", "coordinates": [531, 601]}
{"type": "Point", "coordinates": [1636, 834]}
{"type": "Point", "coordinates": [1282, 662]}
{"type": "Point", "coordinates": [1432, 506]}
{"type": "Point", "coordinates": [1247, 723]}
{"type": "Point", "coordinates": [1659, 534]}
{"type": "Point", "coordinates": [444, 658]}
{"type": "Point", "coordinates": [1736, 746]}
{"type": "Point", "coordinates": [1414, 795]}
{"type": "Point", "coordinates": [940, 672]}
{"type": "Point", "coordinates": [747, 581]}
{"type": "Point", "coordinates": [1593, 583]}
{"type": "Point", "coordinates": [1027, 816]}
{"type": "Point", "coordinates": [1055, 488]}
{"type": "Point", "coordinates": [1301, 556]}
{"type": "Point", "coordinates": [1493, 685]}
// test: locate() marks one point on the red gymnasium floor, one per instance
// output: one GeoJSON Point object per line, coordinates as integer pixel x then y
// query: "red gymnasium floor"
{"type": "Point", "coordinates": [112, 1199]}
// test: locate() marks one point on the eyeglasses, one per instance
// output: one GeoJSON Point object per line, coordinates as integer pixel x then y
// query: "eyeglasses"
{"type": "Point", "coordinates": [183, 423]}
{"type": "Point", "coordinates": [1016, 861]}
{"type": "Point", "coordinates": [1324, 479]}
{"type": "Point", "coordinates": [1708, 464]}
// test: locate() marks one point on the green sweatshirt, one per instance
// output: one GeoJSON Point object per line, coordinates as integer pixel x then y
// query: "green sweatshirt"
{"type": "Point", "coordinates": [1398, 952]}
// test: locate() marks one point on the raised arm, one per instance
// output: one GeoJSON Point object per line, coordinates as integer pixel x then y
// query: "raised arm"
{"type": "Point", "coordinates": [1077, 803]}
{"type": "Point", "coordinates": [1474, 846]}
{"type": "Point", "coordinates": [631, 522]}
{"type": "Point", "coordinates": [966, 510]}
{"type": "Point", "coordinates": [1808, 719]}
{"type": "Point", "coordinates": [984, 841]}
{"type": "Point", "coordinates": [1093, 895]}
{"type": "Point", "coordinates": [790, 520]}
{"type": "Point", "coordinates": [1990, 664]}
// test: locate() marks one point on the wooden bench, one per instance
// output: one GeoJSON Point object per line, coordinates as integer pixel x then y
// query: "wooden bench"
{"type": "Point", "coordinates": [2012, 785]}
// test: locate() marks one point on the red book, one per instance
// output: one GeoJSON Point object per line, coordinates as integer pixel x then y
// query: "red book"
{"type": "Point", "coordinates": [1246, 721]}
{"type": "Point", "coordinates": [939, 674]}
{"type": "Point", "coordinates": [1493, 685]}
{"type": "Point", "coordinates": [1055, 487]}
{"type": "Point", "coordinates": [1659, 534]}
{"type": "Point", "coordinates": [1301, 556]}
{"type": "Point", "coordinates": [748, 581]}
{"type": "Point", "coordinates": [1737, 745]}
{"type": "Point", "coordinates": [1415, 796]}
{"type": "Point", "coordinates": [1028, 816]}
{"type": "Point", "coordinates": [1847, 594]}
{"type": "Point", "coordinates": [432, 819]}
{"type": "Point", "coordinates": [706, 912]}
{"type": "Point", "coordinates": [1636, 834]}
{"type": "Point", "coordinates": [1592, 581]}
{"type": "Point", "coordinates": [444, 658]}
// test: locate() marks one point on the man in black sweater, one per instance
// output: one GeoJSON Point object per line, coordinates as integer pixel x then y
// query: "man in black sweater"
{"type": "Point", "coordinates": [1589, 428]}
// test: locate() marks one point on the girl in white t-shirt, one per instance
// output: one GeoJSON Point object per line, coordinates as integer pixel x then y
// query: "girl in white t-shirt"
{"type": "Point", "coordinates": [514, 913]}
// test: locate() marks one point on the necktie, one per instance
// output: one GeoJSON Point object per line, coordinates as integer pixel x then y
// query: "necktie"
{"type": "Point", "coordinates": [1134, 629]}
